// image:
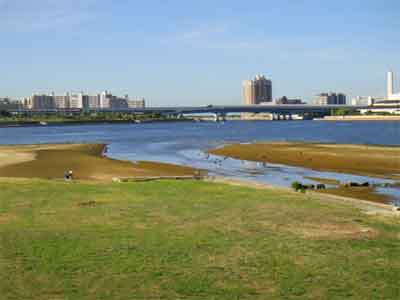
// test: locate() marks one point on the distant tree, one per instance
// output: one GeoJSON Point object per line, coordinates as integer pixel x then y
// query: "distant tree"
{"type": "Point", "coordinates": [5, 114]}
{"type": "Point", "coordinates": [340, 112]}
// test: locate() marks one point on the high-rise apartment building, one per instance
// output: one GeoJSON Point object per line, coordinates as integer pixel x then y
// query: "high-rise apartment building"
{"type": "Point", "coordinates": [257, 91]}
{"type": "Point", "coordinates": [76, 101]}
{"type": "Point", "coordinates": [81, 101]}
{"type": "Point", "coordinates": [40, 102]}
{"type": "Point", "coordinates": [91, 102]}
{"type": "Point", "coordinates": [105, 100]}
{"type": "Point", "coordinates": [61, 102]}
{"type": "Point", "coordinates": [248, 92]}
{"type": "Point", "coordinates": [341, 99]}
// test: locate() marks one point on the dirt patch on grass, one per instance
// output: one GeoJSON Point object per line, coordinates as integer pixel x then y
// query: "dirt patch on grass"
{"type": "Point", "coordinates": [362, 193]}
{"type": "Point", "coordinates": [355, 159]}
{"type": "Point", "coordinates": [334, 231]}
{"type": "Point", "coordinates": [7, 218]}
{"type": "Point", "coordinates": [85, 160]}
{"type": "Point", "coordinates": [90, 203]}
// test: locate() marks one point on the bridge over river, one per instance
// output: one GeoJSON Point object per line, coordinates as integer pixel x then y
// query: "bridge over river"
{"type": "Point", "coordinates": [217, 110]}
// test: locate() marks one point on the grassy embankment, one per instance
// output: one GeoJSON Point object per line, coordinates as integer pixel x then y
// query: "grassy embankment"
{"type": "Point", "coordinates": [376, 161]}
{"type": "Point", "coordinates": [189, 240]}
{"type": "Point", "coordinates": [85, 160]}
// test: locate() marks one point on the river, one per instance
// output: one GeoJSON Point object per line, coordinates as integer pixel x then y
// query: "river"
{"type": "Point", "coordinates": [185, 143]}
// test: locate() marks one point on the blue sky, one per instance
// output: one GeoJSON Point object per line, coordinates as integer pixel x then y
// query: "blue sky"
{"type": "Point", "coordinates": [197, 52]}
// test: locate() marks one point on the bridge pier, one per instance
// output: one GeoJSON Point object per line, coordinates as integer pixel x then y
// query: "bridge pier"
{"type": "Point", "coordinates": [279, 117]}
{"type": "Point", "coordinates": [219, 117]}
{"type": "Point", "coordinates": [288, 117]}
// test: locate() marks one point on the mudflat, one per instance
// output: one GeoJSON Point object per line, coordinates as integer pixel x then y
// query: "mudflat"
{"type": "Point", "coordinates": [378, 161]}
{"type": "Point", "coordinates": [85, 160]}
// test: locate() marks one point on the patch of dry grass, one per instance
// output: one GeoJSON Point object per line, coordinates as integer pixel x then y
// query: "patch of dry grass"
{"type": "Point", "coordinates": [362, 193]}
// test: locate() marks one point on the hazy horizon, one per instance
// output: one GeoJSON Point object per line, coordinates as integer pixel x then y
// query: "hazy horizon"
{"type": "Point", "coordinates": [190, 53]}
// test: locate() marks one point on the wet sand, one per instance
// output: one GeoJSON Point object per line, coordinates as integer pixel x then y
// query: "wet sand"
{"type": "Point", "coordinates": [85, 160]}
{"type": "Point", "coordinates": [375, 161]}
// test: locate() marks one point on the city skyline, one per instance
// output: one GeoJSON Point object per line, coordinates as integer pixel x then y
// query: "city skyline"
{"type": "Point", "coordinates": [197, 53]}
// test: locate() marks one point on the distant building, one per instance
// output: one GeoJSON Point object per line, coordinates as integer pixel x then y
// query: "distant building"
{"type": "Point", "coordinates": [61, 102]}
{"type": "Point", "coordinates": [139, 103]}
{"type": "Point", "coordinates": [105, 100]}
{"type": "Point", "coordinates": [257, 91]}
{"type": "Point", "coordinates": [118, 103]}
{"type": "Point", "coordinates": [330, 99]}
{"type": "Point", "coordinates": [361, 101]}
{"type": "Point", "coordinates": [76, 101]}
{"type": "Point", "coordinates": [391, 95]}
{"type": "Point", "coordinates": [391, 99]}
{"type": "Point", "coordinates": [40, 102]}
{"type": "Point", "coordinates": [8, 104]}
{"type": "Point", "coordinates": [285, 100]}
{"type": "Point", "coordinates": [81, 101]}
{"type": "Point", "coordinates": [248, 92]}
{"type": "Point", "coordinates": [91, 102]}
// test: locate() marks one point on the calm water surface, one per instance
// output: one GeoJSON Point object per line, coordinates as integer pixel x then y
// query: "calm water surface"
{"type": "Point", "coordinates": [185, 144]}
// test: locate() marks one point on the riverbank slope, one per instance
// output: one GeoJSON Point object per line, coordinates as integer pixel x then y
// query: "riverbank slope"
{"type": "Point", "coordinates": [189, 240]}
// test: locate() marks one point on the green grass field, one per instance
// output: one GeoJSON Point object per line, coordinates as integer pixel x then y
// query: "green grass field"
{"type": "Point", "coordinates": [189, 240]}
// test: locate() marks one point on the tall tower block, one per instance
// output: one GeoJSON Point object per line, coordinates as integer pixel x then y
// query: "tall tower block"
{"type": "Point", "coordinates": [390, 84]}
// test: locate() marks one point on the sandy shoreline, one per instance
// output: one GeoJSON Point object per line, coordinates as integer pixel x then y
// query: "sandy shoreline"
{"type": "Point", "coordinates": [360, 118]}
{"type": "Point", "coordinates": [85, 160]}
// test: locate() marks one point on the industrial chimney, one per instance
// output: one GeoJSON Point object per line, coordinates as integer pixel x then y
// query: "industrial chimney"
{"type": "Point", "coordinates": [390, 80]}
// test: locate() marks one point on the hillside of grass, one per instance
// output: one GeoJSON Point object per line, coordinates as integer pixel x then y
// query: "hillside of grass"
{"type": "Point", "coordinates": [189, 240]}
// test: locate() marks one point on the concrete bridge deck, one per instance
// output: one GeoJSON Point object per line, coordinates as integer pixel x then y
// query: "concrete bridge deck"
{"type": "Point", "coordinates": [210, 109]}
